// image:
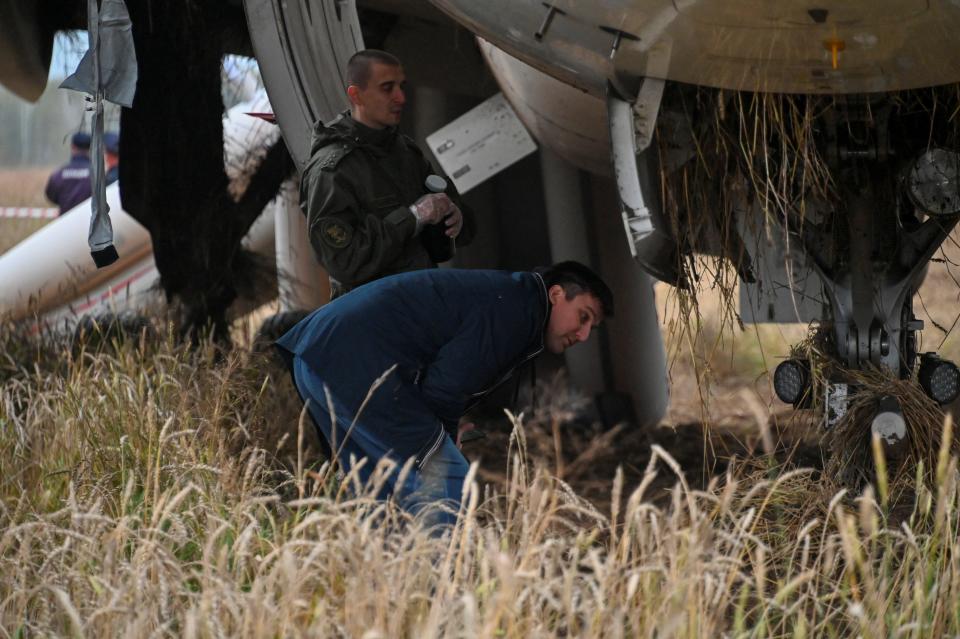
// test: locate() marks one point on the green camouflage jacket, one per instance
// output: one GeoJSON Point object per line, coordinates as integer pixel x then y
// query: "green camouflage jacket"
{"type": "Point", "coordinates": [356, 191]}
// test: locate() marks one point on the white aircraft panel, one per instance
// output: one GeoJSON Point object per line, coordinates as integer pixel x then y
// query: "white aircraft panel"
{"type": "Point", "coordinates": [788, 289]}
{"type": "Point", "coordinates": [481, 143]}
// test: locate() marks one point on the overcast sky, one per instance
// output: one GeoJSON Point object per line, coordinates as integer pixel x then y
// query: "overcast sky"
{"type": "Point", "coordinates": [68, 48]}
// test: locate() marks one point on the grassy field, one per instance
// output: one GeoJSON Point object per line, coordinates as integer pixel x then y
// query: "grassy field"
{"type": "Point", "coordinates": [24, 187]}
{"type": "Point", "coordinates": [148, 491]}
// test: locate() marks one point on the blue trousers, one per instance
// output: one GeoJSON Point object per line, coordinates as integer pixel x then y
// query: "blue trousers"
{"type": "Point", "coordinates": [433, 491]}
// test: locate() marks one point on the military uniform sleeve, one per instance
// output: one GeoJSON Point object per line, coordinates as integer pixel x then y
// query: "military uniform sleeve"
{"type": "Point", "coordinates": [353, 245]}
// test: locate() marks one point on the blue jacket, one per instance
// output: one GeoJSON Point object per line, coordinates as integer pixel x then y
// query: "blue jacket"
{"type": "Point", "coordinates": [454, 336]}
{"type": "Point", "coordinates": [69, 185]}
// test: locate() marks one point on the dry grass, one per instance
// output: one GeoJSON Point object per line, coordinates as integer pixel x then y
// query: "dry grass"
{"type": "Point", "coordinates": [938, 301]}
{"type": "Point", "coordinates": [24, 187]}
{"type": "Point", "coordinates": [142, 495]}
{"type": "Point", "coordinates": [14, 231]}
{"type": "Point", "coordinates": [21, 187]}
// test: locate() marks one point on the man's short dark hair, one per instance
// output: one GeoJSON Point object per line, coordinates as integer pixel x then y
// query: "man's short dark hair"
{"type": "Point", "coordinates": [358, 67]}
{"type": "Point", "coordinates": [575, 278]}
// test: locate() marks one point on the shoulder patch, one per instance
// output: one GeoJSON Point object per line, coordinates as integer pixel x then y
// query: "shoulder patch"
{"type": "Point", "coordinates": [335, 233]}
{"type": "Point", "coordinates": [329, 157]}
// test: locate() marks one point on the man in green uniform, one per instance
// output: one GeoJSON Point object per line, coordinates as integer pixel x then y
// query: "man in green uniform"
{"type": "Point", "coordinates": [365, 191]}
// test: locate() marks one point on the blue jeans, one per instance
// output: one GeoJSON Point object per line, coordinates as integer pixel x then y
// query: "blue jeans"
{"type": "Point", "coordinates": [432, 491]}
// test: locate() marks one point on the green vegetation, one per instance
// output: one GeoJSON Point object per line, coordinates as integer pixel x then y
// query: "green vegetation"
{"type": "Point", "coordinates": [143, 493]}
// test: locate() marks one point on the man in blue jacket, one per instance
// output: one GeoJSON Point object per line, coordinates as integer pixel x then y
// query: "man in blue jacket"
{"type": "Point", "coordinates": [69, 185]}
{"type": "Point", "coordinates": [447, 337]}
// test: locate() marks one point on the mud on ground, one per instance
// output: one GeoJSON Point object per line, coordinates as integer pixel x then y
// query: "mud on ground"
{"type": "Point", "coordinates": [702, 434]}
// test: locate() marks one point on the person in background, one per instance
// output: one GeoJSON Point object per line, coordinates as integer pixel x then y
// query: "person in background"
{"type": "Point", "coordinates": [443, 339]}
{"type": "Point", "coordinates": [111, 156]}
{"type": "Point", "coordinates": [69, 185]}
{"type": "Point", "coordinates": [369, 209]}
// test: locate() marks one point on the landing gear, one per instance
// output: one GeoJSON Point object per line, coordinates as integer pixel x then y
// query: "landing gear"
{"type": "Point", "coordinates": [939, 378]}
{"type": "Point", "coordinates": [889, 227]}
{"type": "Point", "coordinates": [864, 189]}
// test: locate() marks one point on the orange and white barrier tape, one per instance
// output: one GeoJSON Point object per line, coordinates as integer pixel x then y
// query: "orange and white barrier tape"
{"type": "Point", "coordinates": [26, 212]}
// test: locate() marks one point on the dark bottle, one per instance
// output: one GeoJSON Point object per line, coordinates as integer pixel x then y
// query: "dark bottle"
{"type": "Point", "coordinates": [439, 247]}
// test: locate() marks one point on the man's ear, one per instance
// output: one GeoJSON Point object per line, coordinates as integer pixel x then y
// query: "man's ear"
{"type": "Point", "coordinates": [353, 92]}
{"type": "Point", "coordinates": [555, 293]}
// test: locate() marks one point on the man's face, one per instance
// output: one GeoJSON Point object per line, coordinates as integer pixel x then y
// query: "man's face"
{"type": "Point", "coordinates": [571, 320]}
{"type": "Point", "coordinates": [380, 103]}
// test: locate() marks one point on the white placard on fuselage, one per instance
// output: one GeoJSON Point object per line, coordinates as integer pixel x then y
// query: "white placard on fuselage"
{"type": "Point", "coordinates": [481, 143]}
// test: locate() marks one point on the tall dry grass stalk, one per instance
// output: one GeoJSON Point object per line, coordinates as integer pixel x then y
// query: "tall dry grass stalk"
{"type": "Point", "coordinates": [738, 165]}
{"type": "Point", "coordinates": [134, 502]}
{"type": "Point", "coordinates": [738, 168]}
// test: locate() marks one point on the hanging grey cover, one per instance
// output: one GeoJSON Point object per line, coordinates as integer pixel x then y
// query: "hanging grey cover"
{"type": "Point", "coordinates": [107, 71]}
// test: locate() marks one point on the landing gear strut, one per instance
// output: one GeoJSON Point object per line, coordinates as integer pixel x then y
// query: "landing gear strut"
{"type": "Point", "coordinates": [889, 227]}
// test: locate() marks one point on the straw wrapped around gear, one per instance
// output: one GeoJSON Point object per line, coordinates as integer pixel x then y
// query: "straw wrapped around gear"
{"type": "Point", "coordinates": [852, 462]}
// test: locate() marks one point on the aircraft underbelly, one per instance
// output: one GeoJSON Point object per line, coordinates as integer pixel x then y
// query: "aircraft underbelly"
{"type": "Point", "coordinates": [571, 123]}
{"type": "Point", "coordinates": [754, 45]}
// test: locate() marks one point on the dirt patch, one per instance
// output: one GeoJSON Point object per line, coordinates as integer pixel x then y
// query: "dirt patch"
{"type": "Point", "coordinates": [588, 458]}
